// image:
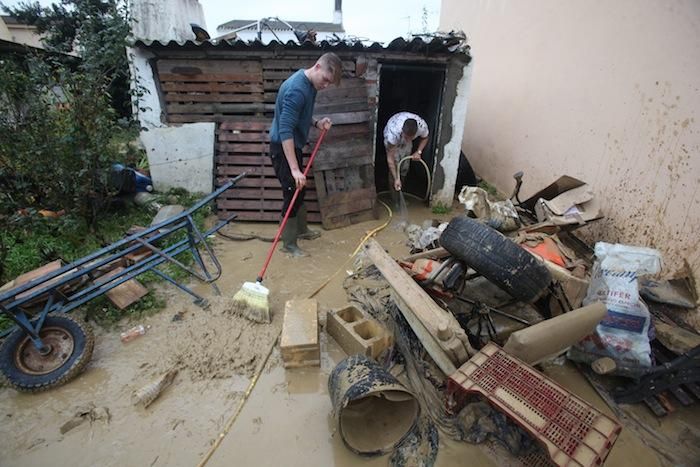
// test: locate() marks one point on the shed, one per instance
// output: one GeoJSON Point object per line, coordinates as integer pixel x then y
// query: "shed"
{"type": "Point", "coordinates": [207, 108]}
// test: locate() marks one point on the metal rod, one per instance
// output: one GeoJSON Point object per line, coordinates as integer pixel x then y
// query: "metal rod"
{"type": "Point", "coordinates": [495, 310]}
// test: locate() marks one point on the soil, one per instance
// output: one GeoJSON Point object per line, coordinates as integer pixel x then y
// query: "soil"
{"type": "Point", "coordinates": [287, 419]}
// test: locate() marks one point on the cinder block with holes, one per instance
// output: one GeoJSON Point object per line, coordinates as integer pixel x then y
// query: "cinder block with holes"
{"type": "Point", "coordinates": [356, 333]}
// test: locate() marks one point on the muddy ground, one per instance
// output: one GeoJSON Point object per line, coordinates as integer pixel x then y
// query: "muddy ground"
{"type": "Point", "coordinates": [286, 421]}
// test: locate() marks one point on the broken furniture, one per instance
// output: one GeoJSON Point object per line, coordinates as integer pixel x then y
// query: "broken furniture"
{"type": "Point", "coordinates": [570, 430]}
{"type": "Point", "coordinates": [441, 335]}
{"type": "Point", "coordinates": [299, 342]}
{"type": "Point", "coordinates": [372, 410]}
{"type": "Point", "coordinates": [48, 348]}
{"type": "Point", "coordinates": [357, 333]}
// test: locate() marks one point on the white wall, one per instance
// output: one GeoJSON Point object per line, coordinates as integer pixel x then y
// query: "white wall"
{"type": "Point", "coordinates": [607, 91]}
{"type": "Point", "coordinates": [179, 156]}
{"type": "Point", "coordinates": [166, 20]}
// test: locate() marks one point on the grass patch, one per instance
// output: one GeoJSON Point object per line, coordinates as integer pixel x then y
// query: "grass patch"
{"type": "Point", "coordinates": [491, 190]}
{"type": "Point", "coordinates": [440, 208]}
{"type": "Point", "coordinates": [32, 241]}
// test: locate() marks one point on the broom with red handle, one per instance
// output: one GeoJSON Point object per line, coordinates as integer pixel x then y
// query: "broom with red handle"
{"type": "Point", "coordinates": [252, 301]}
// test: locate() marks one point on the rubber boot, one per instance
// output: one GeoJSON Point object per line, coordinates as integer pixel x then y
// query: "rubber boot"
{"type": "Point", "coordinates": [289, 238]}
{"type": "Point", "coordinates": [305, 232]}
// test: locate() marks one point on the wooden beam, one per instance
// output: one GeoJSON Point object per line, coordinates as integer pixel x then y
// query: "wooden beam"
{"type": "Point", "coordinates": [439, 332]}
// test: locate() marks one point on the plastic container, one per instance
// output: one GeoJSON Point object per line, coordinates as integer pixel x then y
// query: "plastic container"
{"type": "Point", "coordinates": [133, 333]}
{"type": "Point", "coordinates": [571, 431]}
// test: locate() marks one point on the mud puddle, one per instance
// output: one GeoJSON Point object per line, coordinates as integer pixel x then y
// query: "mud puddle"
{"type": "Point", "coordinates": [285, 422]}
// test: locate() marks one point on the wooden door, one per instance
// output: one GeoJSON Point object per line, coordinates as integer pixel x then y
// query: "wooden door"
{"type": "Point", "coordinates": [344, 165]}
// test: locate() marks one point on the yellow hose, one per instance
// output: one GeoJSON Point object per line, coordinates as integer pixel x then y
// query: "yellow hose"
{"type": "Point", "coordinates": [253, 382]}
{"type": "Point", "coordinates": [427, 174]}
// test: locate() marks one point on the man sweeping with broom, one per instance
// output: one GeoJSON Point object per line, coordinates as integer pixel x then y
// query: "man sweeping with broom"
{"type": "Point", "coordinates": [289, 133]}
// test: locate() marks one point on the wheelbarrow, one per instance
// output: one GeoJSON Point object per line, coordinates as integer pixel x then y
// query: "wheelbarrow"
{"type": "Point", "coordinates": [47, 347]}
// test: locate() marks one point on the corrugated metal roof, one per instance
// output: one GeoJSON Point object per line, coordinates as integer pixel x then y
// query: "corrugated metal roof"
{"type": "Point", "coordinates": [279, 26]}
{"type": "Point", "coordinates": [437, 45]}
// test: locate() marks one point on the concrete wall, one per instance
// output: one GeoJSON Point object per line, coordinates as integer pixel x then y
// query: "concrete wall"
{"type": "Point", "coordinates": [600, 90]}
{"type": "Point", "coordinates": [4, 31]}
{"type": "Point", "coordinates": [166, 20]}
{"type": "Point", "coordinates": [179, 156]}
{"type": "Point", "coordinates": [20, 33]}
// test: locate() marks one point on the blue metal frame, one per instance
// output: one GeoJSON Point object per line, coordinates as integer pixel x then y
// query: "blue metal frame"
{"type": "Point", "coordinates": [14, 301]}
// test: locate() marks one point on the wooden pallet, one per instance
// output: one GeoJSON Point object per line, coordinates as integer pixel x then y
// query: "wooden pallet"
{"type": "Point", "coordinates": [244, 147]}
{"type": "Point", "coordinates": [211, 90]}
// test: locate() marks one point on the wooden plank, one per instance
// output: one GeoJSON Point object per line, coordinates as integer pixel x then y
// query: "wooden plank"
{"type": "Point", "coordinates": [342, 209]}
{"type": "Point", "coordinates": [246, 125]}
{"type": "Point", "coordinates": [239, 169]}
{"type": "Point", "coordinates": [346, 118]}
{"type": "Point", "coordinates": [210, 77]}
{"type": "Point", "coordinates": [200, 67]}
{"type": "Point", "coordinates": [124, 294]}
{"type": "Point", "coordinates": [212, 87]}
{"type": "Point", "coordinates": [357, 105]}
{"type": "Point", "coordinates": [337, 164]}
{"type": "Point", "coordinates": [239, 159]}
{"type": "Point", "coordinates": [345, 220]}
{"type": "Point", "coordinates": [238, 136]}
{"type": "Point", "coordinates": [423, 315]}
{"type": "Point", "coordinates": [214, 107]}
{"type": "Point", "coordinates": [349, 196]}
{"type": "Point", "coordinates": [263, 205]}
{"type": "Point", "coordinates": [259, 148]}
{"type": "Point", "coordinates": [216, 97]}
{"type": "Point", "coordinates": [264, 216]}
{"type": "Point", "coordinates": [266, 193]}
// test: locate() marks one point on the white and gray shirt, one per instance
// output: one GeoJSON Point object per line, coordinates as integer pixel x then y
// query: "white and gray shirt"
{"type": "Point", "coordinates": [393, 128]}
{"type": "Point", "coordinates": [392, 136]}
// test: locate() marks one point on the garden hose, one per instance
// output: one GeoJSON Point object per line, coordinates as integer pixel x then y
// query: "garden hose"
{"type": "Point", "coordinates": [217, 442]}
{"type": "Point", "coordinates": [427, 174]}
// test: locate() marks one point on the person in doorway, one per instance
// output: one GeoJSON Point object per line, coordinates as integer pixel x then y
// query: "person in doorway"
{"type": "Point", "coordinates": [289, 132]}
{"type": "Point", "coordinates": [399, 133]}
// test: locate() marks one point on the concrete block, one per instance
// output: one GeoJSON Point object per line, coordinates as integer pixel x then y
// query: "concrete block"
{"type": "Point", "coordinates": [181, 157]}
{"type": "Point", "coordinates": [299, 341]}
{"type": "Point", "coordinates": [166, 212]}
{"type": "Point", "coordinates": [356, 333]}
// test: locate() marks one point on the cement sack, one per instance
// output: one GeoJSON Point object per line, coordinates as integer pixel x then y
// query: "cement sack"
{"type": "Point", "coordinates": [623, 334]}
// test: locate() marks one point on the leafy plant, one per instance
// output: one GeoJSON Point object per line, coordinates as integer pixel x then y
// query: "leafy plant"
{"type": "Point", "coordinates": [440, 208]}
{"type": "Point", "coordinates": [58, 112]}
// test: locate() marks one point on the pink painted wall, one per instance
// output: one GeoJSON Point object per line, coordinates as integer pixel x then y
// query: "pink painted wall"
{"type": "Point", "coordinates": [606, 91]}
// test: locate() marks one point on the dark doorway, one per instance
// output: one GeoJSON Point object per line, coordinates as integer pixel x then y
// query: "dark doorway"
{"type": "Point", "coordinates": [416, 89]}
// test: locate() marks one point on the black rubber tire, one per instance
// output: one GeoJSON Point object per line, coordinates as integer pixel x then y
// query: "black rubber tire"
{"type": "Point", "coordinates": [21, 380]}
{"type": "Point", "coordinates": [497, 258]}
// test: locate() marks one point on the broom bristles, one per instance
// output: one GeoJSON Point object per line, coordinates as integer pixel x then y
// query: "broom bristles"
{"type": "Point", "coordinates": [252, 302]}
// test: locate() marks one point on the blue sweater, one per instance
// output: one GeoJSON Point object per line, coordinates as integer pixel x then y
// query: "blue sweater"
{"type": "Point", "coordinates": [293, 110]}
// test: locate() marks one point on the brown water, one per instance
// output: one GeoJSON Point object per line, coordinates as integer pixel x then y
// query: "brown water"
{"type": "Point", "coordinates": [285, 422]}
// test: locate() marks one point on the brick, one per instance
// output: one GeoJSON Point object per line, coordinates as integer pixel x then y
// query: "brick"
{"type": "Point", "coordinates": [299, 342]}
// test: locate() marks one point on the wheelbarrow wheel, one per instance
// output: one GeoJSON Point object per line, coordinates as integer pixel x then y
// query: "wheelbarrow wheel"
{"type": "Point", "coordinates": [497, 258]}
{"type": "Point", "coordinates": [69, 342]}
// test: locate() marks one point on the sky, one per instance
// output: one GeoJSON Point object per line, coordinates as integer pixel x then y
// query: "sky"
{"type": "Point", "coordinates": [377, 20]}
